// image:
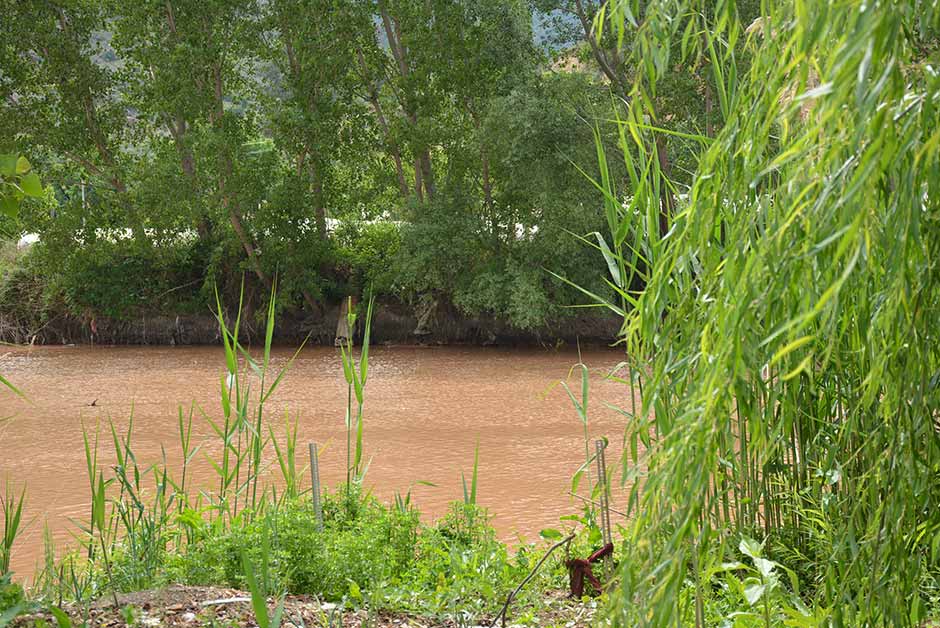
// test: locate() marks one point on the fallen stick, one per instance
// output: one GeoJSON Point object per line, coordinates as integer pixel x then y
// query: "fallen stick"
{"type": "Point", "coordinates": [229, 600]}
{"type": "Point", "coordinates": [511, 596]}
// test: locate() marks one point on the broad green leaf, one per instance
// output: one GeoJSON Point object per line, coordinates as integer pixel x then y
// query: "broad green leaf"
{"type": "Point", "coordinates": [9, 206]}
{"type": "Point", "coordinates": [31, 185]}
{"type": "Point", "coordinates": [550, 534]}
{"type": "Point", "coordinates": [22, 165]}
{"type": "Point", "coordinates": [8, 165]}
{"type": "Point", "coordinates": [754, 592]}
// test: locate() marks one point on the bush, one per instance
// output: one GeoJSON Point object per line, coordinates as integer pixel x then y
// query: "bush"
{"type": "Point", "coordinates": [365, 551]}
{"type": "Point", "coordinates": [11, 594]}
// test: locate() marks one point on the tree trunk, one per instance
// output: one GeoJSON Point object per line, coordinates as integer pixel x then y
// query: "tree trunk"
{"type": "Point", "coordinates": [419, 180]}
{"type": "Point", "coordinates": [373, 98]}
{"type": "Point", "coordinates": [400, 55]}
{"type": "Point", "coordinates": [230, 200]}
{"type": "Point", "coordinates": [319, 208]}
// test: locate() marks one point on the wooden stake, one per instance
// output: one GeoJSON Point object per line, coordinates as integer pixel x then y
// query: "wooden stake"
{"type": "Point", "coordinates": [604, 499]}
{"type": "Point", "coordinates": [315, 484]}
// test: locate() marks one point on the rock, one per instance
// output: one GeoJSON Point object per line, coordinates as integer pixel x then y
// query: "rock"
{"type": "Point", "coordinates": [343, 332]}
{"type": "Point", "coordinates": [424, 312]}
{"type": "Point", "coordinates": [189, 616]}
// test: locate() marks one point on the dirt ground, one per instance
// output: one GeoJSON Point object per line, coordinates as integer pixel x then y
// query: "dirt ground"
{"type": "Point", "coordinates": [189, 607]}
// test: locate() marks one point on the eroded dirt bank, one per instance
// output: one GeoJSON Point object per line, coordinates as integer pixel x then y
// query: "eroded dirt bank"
{"type": "Point", "coordinates": [393, 323]}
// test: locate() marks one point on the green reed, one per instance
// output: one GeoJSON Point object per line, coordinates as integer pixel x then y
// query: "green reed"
{"type": "Point", "coordinates": [242, 430]}
{"type": "Point", "coordinates": [356, 375]}
{"type": "Point", "coordinates": [11, 507]}
{"type": "Point", "coordinates": [786, 332]}
{"type": "Point", "coordinates": [140, 512]}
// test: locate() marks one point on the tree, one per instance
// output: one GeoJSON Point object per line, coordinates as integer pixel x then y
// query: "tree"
{"type": "Point", "coordinates": [65, 102]}
{"type": "Point", "coordinates": [184, 70]}
{"type": "Point", "coordinates": [315, 46]}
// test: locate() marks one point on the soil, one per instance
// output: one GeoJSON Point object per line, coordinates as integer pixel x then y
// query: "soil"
{"type": "Point", "coordinates": [190, 607]}
{"type": "Point", "coordinates": [393, 323]}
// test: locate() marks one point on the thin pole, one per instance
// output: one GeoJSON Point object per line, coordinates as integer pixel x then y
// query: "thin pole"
{"type": "Point", "coordinates": [315, 484]}
{"type": "Point", "coordinates": [604, 499]}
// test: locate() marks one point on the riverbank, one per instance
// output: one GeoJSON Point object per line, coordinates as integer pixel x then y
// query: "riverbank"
{"type": "Point", "coordinates": [393, 323]}
{"type": "Point", "coordinates": [348, 560]}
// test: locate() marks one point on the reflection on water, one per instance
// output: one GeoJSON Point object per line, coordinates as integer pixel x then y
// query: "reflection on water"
{"type": "Point", "coordinates": [426, 408]}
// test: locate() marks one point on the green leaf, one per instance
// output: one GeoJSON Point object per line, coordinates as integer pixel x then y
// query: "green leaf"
{"type": "Point", "coordinates": [612, 264]}
{"type": "Point", "coordinates": [765, 567]}
{"type": "Point", "coordinates": [9, 205]}
{"type": "Point", "coordinates": [31, 185]}
{"type": "Point", "coordinates": [8, 615]}
{"type": "Point", "coordinates": [5, 382]}
{"type": "Point", "coordinates": [754, 592]}
{"type": "Point", "coordinates": [8, 165]}
{"type": "Point", "coordinates": [258, 601]}
{"type": "Point", "coordinates": [22, 165]}
{"type": "Point", "coordinates": [550, 534]}
{"type": "Point", "coordinates": [61, 618]}
{"type": "Point", "coordinates": [750, 547]}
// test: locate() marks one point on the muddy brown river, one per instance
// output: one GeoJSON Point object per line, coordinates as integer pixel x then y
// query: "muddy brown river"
{"type": "Point", "coordinates": [426, 409]}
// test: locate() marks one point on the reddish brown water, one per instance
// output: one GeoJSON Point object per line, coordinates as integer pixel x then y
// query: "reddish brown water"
{"type": "Point", "coordinates": [426, 408]}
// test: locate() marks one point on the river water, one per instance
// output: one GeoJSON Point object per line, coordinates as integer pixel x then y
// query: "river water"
{"type": "Point", "coordinates": [426, 410]}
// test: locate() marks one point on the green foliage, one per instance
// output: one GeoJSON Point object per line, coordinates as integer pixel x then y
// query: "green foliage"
{"type": "Point", "coordinates": [11, 593]}
{"type": "Point", "coordinates": [11, 508]}
{"type": "Point", "coordinates": [17, 181]}
{"type": "Point", "coordinates": [367, 256]}
{"type": "Point", "coordinates": [783, 334]}
{"type": "Point", "coordinates": [371, 547]}
{"type": "Point", "coordinates": [214, 139]}
{"type": "Point", "coordinates": [119, 279]}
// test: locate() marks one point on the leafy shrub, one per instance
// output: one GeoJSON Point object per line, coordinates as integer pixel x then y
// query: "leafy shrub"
{"type": "Point", "coordinates": [11, 593]}
{"type": "Point", "coordinates": [366, 551]}
{"type": "Point", "coordinates": [366, 546]}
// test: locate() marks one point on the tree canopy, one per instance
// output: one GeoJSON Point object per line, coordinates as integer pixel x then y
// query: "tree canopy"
{"type": "Point", "coordinates": [412, 149]}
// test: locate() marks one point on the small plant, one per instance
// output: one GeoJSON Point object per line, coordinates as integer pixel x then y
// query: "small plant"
{"type": "Point", "coordinates": [12, 511]}
{"type": "Point", "coordinates": [470, 496]}
{"type": "Point", "coordinates": [11, 595]}
{"type": "Point", "coordinates": [261, 588]}
{"type": "Point", "coordinates": [130, 614]}
{"type": "Point", "coordinates": [356, 376]}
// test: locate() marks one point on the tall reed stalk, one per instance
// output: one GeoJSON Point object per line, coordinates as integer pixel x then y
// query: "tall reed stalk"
{"type": "Point", "coordinates": [140, 511]}
{"type": "Point", "coordinates": [242, 432]}
{"type": "Point", "coordinates": [356, 375]}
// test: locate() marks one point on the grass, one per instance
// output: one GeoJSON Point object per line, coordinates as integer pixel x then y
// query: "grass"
{"type": "Point", "coordinates": [11, 508]}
